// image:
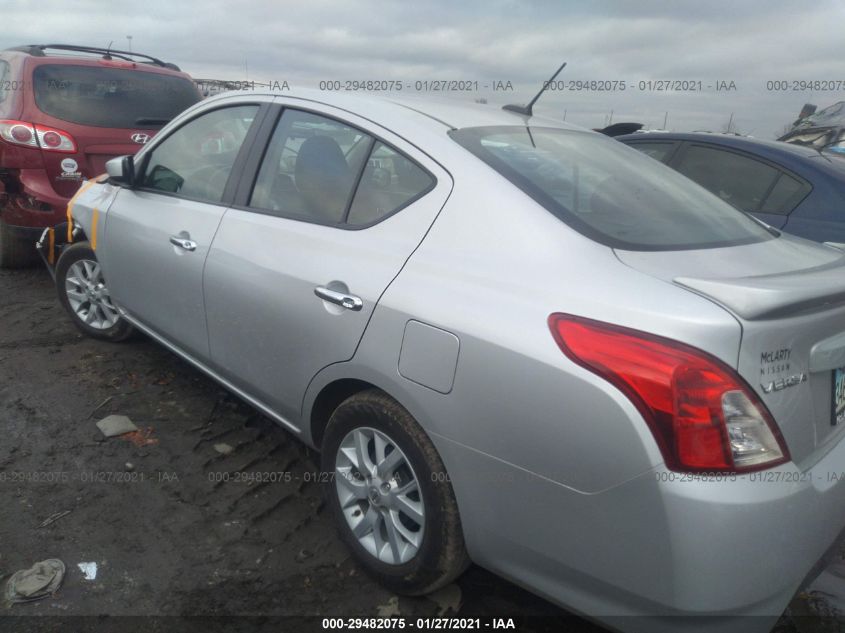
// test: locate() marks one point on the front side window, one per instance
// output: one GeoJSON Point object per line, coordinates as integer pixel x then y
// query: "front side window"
{"type": "Point", "coordinates": [739, 180]}
{"type": "Point", "coordinates": [609, 192]}
{"type": "Point", "coordinates": [195, 160]}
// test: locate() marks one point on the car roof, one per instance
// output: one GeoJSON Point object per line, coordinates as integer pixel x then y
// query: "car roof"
{"type": "Point", "coordinates": [36, 55]}
{"type": "Point", "coordinates": [789, 155]}
{"type": "Point", "coordinates": [440, 113]}
{"type": "Point", "coordinates": [772, 149]}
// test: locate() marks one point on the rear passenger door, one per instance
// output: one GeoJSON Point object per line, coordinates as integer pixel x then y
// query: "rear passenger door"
{"type": "Point", "coordinates": [327, 219]}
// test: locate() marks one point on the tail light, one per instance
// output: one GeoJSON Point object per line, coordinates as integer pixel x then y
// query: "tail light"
{"type": "Point", "coordinates": [703, 415]}
{"type": "Point", "coordinates": [47, 138]}
{"type": "Point", "coordinates": [19, 133]}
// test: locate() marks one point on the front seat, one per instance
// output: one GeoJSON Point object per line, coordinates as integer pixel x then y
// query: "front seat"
{"type": "Point", "coordinates": [323, 178]}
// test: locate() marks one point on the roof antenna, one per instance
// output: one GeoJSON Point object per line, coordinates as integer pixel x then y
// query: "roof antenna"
{"type": "Point", "coordinates": [108, 51]}
{"type": "Point", "coordinates": [528, 110]}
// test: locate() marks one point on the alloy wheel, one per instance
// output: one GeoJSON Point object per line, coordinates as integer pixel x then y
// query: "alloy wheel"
{"type": "Point", "coordinates": [88, 295]}
{"type": "Point", "coordinates": [379, 495]}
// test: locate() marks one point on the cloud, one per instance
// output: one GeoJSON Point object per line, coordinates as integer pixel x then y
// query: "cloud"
{"type": "Point", "coordinates": [305, 42]}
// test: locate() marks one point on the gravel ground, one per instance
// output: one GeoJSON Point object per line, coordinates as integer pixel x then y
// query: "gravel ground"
{"type": "Point", "coordinates": [168, 537]}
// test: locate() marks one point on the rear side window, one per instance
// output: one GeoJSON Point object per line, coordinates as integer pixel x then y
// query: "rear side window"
{"type": "Point", "coordinates": [111, 97]}
{"type": "Point", "coordinates": [736, 179]}
{"type": "Point", "coordinates": [609, 193]}
{"type": "Point", "coordinates": [323, 170]}
{"type": "Point", "coordinates": [657, 151]}
{"type": "Point", "coordinates": [195, 160]}
{"type": "Point", "coordinates": [311, 167]}
{"type": "Point", "coordinates": [785, 195]}
{"type": "Point", "coordinates": [390, 182]}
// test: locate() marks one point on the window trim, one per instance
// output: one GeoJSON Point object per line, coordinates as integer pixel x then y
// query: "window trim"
{"type": "Point", "coordinates": [250, 176]}
{"type": "Point", "coordinates": [237, 166]}
{"type": "Point", "coordinates": [808, 186]}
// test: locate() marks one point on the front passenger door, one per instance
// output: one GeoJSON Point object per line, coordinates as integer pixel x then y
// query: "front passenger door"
{"type": "Point", "coordinates": [159, 233]}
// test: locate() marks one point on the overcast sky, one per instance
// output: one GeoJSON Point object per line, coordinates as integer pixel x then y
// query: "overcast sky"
{"type": "Point", "coordinates": [303, 42]}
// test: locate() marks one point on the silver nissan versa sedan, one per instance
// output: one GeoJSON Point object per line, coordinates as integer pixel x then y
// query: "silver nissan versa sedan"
{"type": "Point", "coordinates": [514, 342]}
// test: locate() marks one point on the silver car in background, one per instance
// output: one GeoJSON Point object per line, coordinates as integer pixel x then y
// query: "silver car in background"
{"type": "Point", "coordinates": [514, 342]}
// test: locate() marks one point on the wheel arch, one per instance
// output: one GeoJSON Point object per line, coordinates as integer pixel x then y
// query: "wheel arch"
{"type": "Point", "coordinates": [328, 399]}
{"type": "Point", "coordinates": [336, 383]}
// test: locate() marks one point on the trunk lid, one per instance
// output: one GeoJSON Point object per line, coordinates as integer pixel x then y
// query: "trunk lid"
{"type": "Point", "coordinates": [788, 295]}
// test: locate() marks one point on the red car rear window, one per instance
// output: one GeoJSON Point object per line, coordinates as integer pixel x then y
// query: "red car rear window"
{"type": "Point", "coordinates": [111, 97]}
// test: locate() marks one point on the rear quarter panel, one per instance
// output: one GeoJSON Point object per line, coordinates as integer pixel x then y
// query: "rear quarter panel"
{"type": "Point", "coordinates": [492, 269]}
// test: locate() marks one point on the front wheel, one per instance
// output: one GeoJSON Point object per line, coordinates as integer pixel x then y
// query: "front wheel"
{"type": "Point", "coordinates": [390, 496]}
{"type": "Point", "coordinates": [83, 293]}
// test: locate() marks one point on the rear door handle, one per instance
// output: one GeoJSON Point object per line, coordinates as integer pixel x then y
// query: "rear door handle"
{"type": "Point", "coordinates": [350, 302]}
{"type": "Point", "coordinates": [181, 242]}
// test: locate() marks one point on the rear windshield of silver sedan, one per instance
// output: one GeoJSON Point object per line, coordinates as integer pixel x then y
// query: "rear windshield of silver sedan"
{"type": "Point", "coordinates": [609, 192]}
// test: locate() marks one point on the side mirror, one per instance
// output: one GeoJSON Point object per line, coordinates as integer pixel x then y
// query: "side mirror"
{"type": "Point", "coordinates": [122, 170]}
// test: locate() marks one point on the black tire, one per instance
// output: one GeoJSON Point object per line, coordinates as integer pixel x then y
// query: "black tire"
{"type": "Point", "coordinates": [121, 330]}
{"type": "Point", "coordinates": [442, 555]}
{"type": "Point", "coordinates": [16, 252]}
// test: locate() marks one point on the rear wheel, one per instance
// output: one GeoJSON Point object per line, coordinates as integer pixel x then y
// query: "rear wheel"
{"type": "Point", "coordinates": [390, 495]}
{"type": "Point", "coordinates": [15, 251]}
{"type": "Point", "coordinates": [83, 292]}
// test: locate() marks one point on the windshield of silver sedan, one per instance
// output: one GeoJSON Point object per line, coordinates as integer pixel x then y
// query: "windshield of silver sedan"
{"type": "Point", "coordinates": [610, 192]}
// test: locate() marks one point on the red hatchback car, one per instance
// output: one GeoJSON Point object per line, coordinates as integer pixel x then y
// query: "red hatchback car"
{"type": "Point", "coordinates": [64, 111]}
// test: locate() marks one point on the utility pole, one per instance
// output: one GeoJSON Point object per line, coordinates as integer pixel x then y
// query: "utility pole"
{"type": "Point", "coordinates": [665, 118]}
{"type": "Point", "coordinates": [129, 39]}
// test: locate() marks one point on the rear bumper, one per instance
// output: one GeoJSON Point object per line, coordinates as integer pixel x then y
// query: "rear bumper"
{"type": "Point", "coordinates": [658, 547]}
{"type": "Point", "coordinates": [24, 233]}
{"type": "Point", "coordinates": [37, 205]}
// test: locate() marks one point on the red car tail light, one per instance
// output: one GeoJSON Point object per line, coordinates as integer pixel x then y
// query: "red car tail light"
{"type": "Point", "coordinates": [703, 415]}
{"type": "Point", "coordinates": [54, 140]}
{"type": "Point", "coordinates": [29, 135]}
{"type": "Point", "coordinates": [18, 132]}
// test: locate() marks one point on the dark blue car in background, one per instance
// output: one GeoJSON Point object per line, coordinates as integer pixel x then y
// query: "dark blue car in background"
{"type": "Point", "coordinates": [791, 187]}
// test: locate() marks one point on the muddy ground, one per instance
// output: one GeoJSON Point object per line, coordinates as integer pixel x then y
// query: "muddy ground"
{"type": "Point", "coordinates": [168, 537]}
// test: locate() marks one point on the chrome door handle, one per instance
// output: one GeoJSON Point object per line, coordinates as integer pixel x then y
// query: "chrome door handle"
{"type": "Point", "coordinates": [350, 302]}
{"type": "Point", "coordinates": [181, 242]}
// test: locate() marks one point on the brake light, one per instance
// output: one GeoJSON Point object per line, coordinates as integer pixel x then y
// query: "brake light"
{"type": "Point", "coordinates": [703, 415]}
{"type": "Point", "coordinates": [29, 135]}
{"type": "Point", "coordinates": [18, 132]}
{"type": "Point", "coordinates": [116, 63]}
{"type": "Point", "coordinates": [54, 140]}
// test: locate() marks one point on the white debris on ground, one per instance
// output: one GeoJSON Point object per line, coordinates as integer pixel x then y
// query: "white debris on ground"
{"type": "Point", "coordinates": [115, 425]}
{"type": "Point", "coordinates": [89, 569]}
